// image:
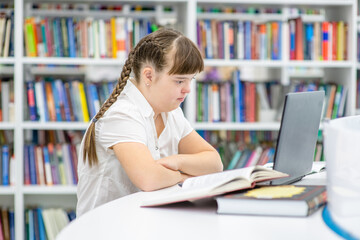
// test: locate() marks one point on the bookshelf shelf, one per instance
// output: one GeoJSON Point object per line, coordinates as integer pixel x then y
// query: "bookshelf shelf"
{"type": "Point", "coordinates": [7, 126]}
{"type": "Point", "coordinates": [7, 60]}
{"type": "Point", "coordinates": [49, 190]}
{"type": "Point", "coordinates": [262, 17]}
{"type": "Point", "coordinates": [244, 63]}
{"type": "Point", "coordinates": [100, 14]}
{"type": "Point", "coordinates": [55, 125]}
{"type": "Point", "coordinates": [268, 126]}
{"type": "Point", "coordinates": [241, 16]}
{"type": "Point", "coordinates": [6, 70]}
{"type": "Point", "coordinates": [73, 61]}
{"type": "Point", "coordinates": [57, 70]}
{"type": "Point", "coordinates": [7, 190]}
{"type": "Point", "coordinates": [282, 2]}
{"type": "Point", "coordinates": [321, 64]}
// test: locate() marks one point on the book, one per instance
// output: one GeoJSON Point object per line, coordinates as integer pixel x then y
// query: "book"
{"type": "Point", "coordinates": [285, 200]}
{"type": "Point", "coordinates": [214, 184]}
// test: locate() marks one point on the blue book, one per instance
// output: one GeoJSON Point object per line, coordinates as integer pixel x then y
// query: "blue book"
{"type": "Point", "coordinates": [42, 232]}
{"type": "Point", "coordinates": [31, 225]}
{"type": "Point", "coordinates": [209, 45]}
{"type": "Point", "coordinates": [32, 164]}
{"type": "Point", "coordinates": [57, 101]}
{"type": "Point", "coordinates": [12, 223]}
{"type": "Point", "coordinates": [36, 224]}
{"type": "Point", "coordinates": [45, 102]}
{"type": "Point", "coordinates": [241, 98]}
{"type": "Point", "coordinates": [64, 106]}
{"type": "Point", "coordinates": [95, 98]}
{"type": "Point", "coordinates": [89, 99]}
{"type": "Point", "coordinates": [31, 100]}
{"type": "Point", "coordinates": [309, 46]}
{"type": "Point", "coordinates": [71, 215]}
{"type": "Point", "coordinates": [5, 165]}
{"type": "Point", "coordinates": [59, 36]}
{"type": "Point", "coordinates": [71, 37]}
{"type": "Point", "coordinates": [247, 39]}
{"type": "Point", "coordinates": [12, 42]}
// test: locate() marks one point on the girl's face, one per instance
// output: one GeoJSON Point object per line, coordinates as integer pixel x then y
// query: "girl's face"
{"type": "Point", "coordinates": [167, 92]}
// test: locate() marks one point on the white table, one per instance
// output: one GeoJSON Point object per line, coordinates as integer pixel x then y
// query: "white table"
{"type": "Point", "coordinates": [124, 219]}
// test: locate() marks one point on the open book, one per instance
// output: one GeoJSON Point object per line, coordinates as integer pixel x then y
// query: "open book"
{"type": "Point", "coordinates": [216, 184]}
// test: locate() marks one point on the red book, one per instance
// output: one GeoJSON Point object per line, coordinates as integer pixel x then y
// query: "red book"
{"type": "Point", "coordinates": [325, 40]}
{"type": "Point", "coordinates": [299, 48]}
{"type": "Point", "coordinates": [49, 39]}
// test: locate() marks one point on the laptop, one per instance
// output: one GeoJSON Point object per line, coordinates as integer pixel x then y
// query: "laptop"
{"type": "Point", "coordinates": [298, 134]}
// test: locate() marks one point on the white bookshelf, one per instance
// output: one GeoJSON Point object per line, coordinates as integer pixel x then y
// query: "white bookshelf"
{"type": "Point", "coordinates": [20, 196]}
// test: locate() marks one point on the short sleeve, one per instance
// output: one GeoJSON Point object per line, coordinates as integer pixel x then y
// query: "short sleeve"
{"type": "Point", "coordinates": [183, 122]}
{"type": "Point", "coordinates": [125, 125]}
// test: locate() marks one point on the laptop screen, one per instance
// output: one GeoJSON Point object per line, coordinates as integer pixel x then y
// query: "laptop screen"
{"type": "Point", "coordinates": [298, 133]}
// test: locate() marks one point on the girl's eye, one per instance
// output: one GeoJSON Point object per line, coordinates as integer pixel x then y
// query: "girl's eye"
{"type": "Point", "coordinates": [179, 82]}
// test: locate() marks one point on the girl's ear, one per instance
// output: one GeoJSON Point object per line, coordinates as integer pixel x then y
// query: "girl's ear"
{"type": "Point", "coordinates": [148, 75]}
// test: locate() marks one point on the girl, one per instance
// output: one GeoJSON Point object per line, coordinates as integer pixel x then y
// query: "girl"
{"type": "Point", "coordinates": [140, 139]}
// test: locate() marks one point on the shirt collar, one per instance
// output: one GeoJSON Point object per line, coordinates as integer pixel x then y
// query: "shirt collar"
{"type": "Point", "coordinates": [138, 99]}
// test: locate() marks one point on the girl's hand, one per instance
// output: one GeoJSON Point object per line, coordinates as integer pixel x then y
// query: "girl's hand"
{"type": "Point", "coordinates": [169, 162]}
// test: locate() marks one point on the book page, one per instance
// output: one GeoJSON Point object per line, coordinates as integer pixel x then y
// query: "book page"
{"type": "Point", "coordinates": [261, 173]}
{"type": "Point", "coordinates": [216, 179]}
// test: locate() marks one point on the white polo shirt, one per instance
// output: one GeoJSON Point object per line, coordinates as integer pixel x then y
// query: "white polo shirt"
{"type": "Point", "coordinates": [129, 119]}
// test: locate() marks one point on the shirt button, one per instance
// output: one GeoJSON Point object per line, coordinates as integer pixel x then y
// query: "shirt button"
{"type": "Point", "coordinates": [156, 148]}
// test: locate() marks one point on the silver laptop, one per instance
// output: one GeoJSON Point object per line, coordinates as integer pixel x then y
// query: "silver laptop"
{"type": "Point", "coordinates": [298, 134]}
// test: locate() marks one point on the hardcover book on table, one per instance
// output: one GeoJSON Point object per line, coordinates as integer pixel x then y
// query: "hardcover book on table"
{"type": "Point", "coordinates": [285, 200]}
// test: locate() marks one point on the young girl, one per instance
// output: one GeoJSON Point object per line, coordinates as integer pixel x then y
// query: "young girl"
{"type": "Point", "coordinates": [140, 139]}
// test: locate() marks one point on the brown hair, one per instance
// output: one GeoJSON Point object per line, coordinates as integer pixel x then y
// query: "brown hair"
{"type": "Point", "coordinates": [153, 48]}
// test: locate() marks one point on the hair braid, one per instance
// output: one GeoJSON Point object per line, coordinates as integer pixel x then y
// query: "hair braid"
{"type": "Point", "coordinates": [89, 142]}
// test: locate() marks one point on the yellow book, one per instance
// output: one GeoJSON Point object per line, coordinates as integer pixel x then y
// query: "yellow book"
{"type": "Point", "coordinates": [340, 41]}
{"type": "Point", "coordinates": [113, 36]}
{"type": "Point", "coordinates": [83, 103]}
{"type": "Point", "coordinates": [30, 37]}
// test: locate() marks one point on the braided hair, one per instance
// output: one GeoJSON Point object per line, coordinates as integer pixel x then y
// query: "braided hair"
{"type": "Point", "coordinates": [153, 49]}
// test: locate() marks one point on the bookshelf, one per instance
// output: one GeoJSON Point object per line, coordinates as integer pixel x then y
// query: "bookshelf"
{"type": "Point", "coordinates": [184, 17]}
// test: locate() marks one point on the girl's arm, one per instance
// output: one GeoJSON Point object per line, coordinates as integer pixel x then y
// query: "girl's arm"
{"type": "Point", "coordinates": [196, 157]}
{"type": "Point", "coordinates": [144, 172]}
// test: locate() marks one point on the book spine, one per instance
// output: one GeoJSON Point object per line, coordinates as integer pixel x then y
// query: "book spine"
{"type": "Point", "coordinates": [5, 165]}
{"type": "Point", "coordinates": [50, 101]}
{"type": "Point", "coordinates": [40, 165]}
{"type": "Point", "coordinates": [71, 37]}
{"type": "Point", "coordinates": [83, 104]}
{"type": "Point", "coordinates": [31, 100]}
{"type": "Point", "coordinates": [64, 37]}
{"type": "Point", "coordinates": [325, 40]}
{"type": "Point", "coordinates": [48, 174]}
{"type": "Point", "coordinates": [60, 165]}
{"type": "Point", "coordinates": [32, 166]}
